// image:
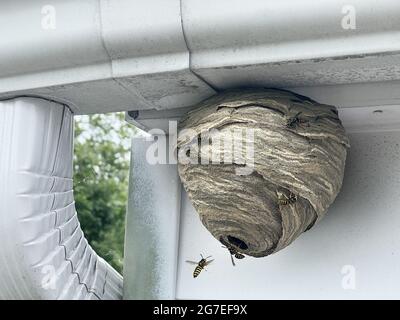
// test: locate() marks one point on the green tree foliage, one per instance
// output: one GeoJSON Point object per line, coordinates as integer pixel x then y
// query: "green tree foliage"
{"type": "Point", "coordinates": [101, 171]}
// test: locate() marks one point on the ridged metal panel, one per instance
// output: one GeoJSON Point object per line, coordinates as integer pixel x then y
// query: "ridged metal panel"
{"type": "Point", "coordinates": [39, 227]}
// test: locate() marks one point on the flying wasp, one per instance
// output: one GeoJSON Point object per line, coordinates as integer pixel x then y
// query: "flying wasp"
{"type": "Point", "coordinates": [292, 123]}
{"type": "Point", "coordinates": [284, 200]}
{"type": "Point", "coordinates": [200, 265]}
{"type": "Point", "coordinates": [234, 253]}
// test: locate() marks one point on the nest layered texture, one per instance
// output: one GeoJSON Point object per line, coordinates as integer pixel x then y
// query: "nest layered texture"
{"type": "Point", "coordinates": [260, 202]}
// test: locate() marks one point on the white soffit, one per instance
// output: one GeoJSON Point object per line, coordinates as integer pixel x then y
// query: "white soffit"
{"type": "Point", "coordinates": [114, 55]}
{"type": "Point", "coordinates": [360, 119]}
{"type": "Point", "coordinates": [363, 107]}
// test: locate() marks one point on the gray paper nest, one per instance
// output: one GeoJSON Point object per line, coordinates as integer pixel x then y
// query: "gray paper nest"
{"type": "Point", "coordinates": [300, 150]}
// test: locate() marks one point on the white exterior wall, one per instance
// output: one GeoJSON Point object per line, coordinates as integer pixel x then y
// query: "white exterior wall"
{"type": "Point", "coordinates": [360, 232]}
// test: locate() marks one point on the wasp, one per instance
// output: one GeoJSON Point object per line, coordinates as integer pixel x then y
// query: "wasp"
{"type": "Point", "coordinates": [200, 265]}
{"type": "Point", "coordinates": [292, 123]}
{"type": "Point", "coordinates": [284, 200]}
{"type": "Point", "coordinates": [234, 253]}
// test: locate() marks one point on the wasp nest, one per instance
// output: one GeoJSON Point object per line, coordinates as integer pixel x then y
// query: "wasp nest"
{"type": "Point", "coordinates": [261, 166]}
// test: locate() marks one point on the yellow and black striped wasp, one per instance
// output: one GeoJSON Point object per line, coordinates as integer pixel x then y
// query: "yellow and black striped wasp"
{"type": "Point", "coordinates": [200, 265]}
{"type": "Point", "coordinates": [284, 200]}
{"type": "Point", "coordinates": [295, 121]}
{"type": "Point", "coordinates": [234, 253]}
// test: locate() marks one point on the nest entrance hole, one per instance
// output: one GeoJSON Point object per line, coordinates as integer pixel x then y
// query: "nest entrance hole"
{"type": "Point", "coordinates": [237, 243]}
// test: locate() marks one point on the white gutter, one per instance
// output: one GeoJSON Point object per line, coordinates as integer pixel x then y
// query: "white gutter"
{"type": "Point", "coordinates": [102, 55]}
{"type": "Point", "coordinates": [109, 55]}
{"type": "Point", "coordinates": [228, 33]}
